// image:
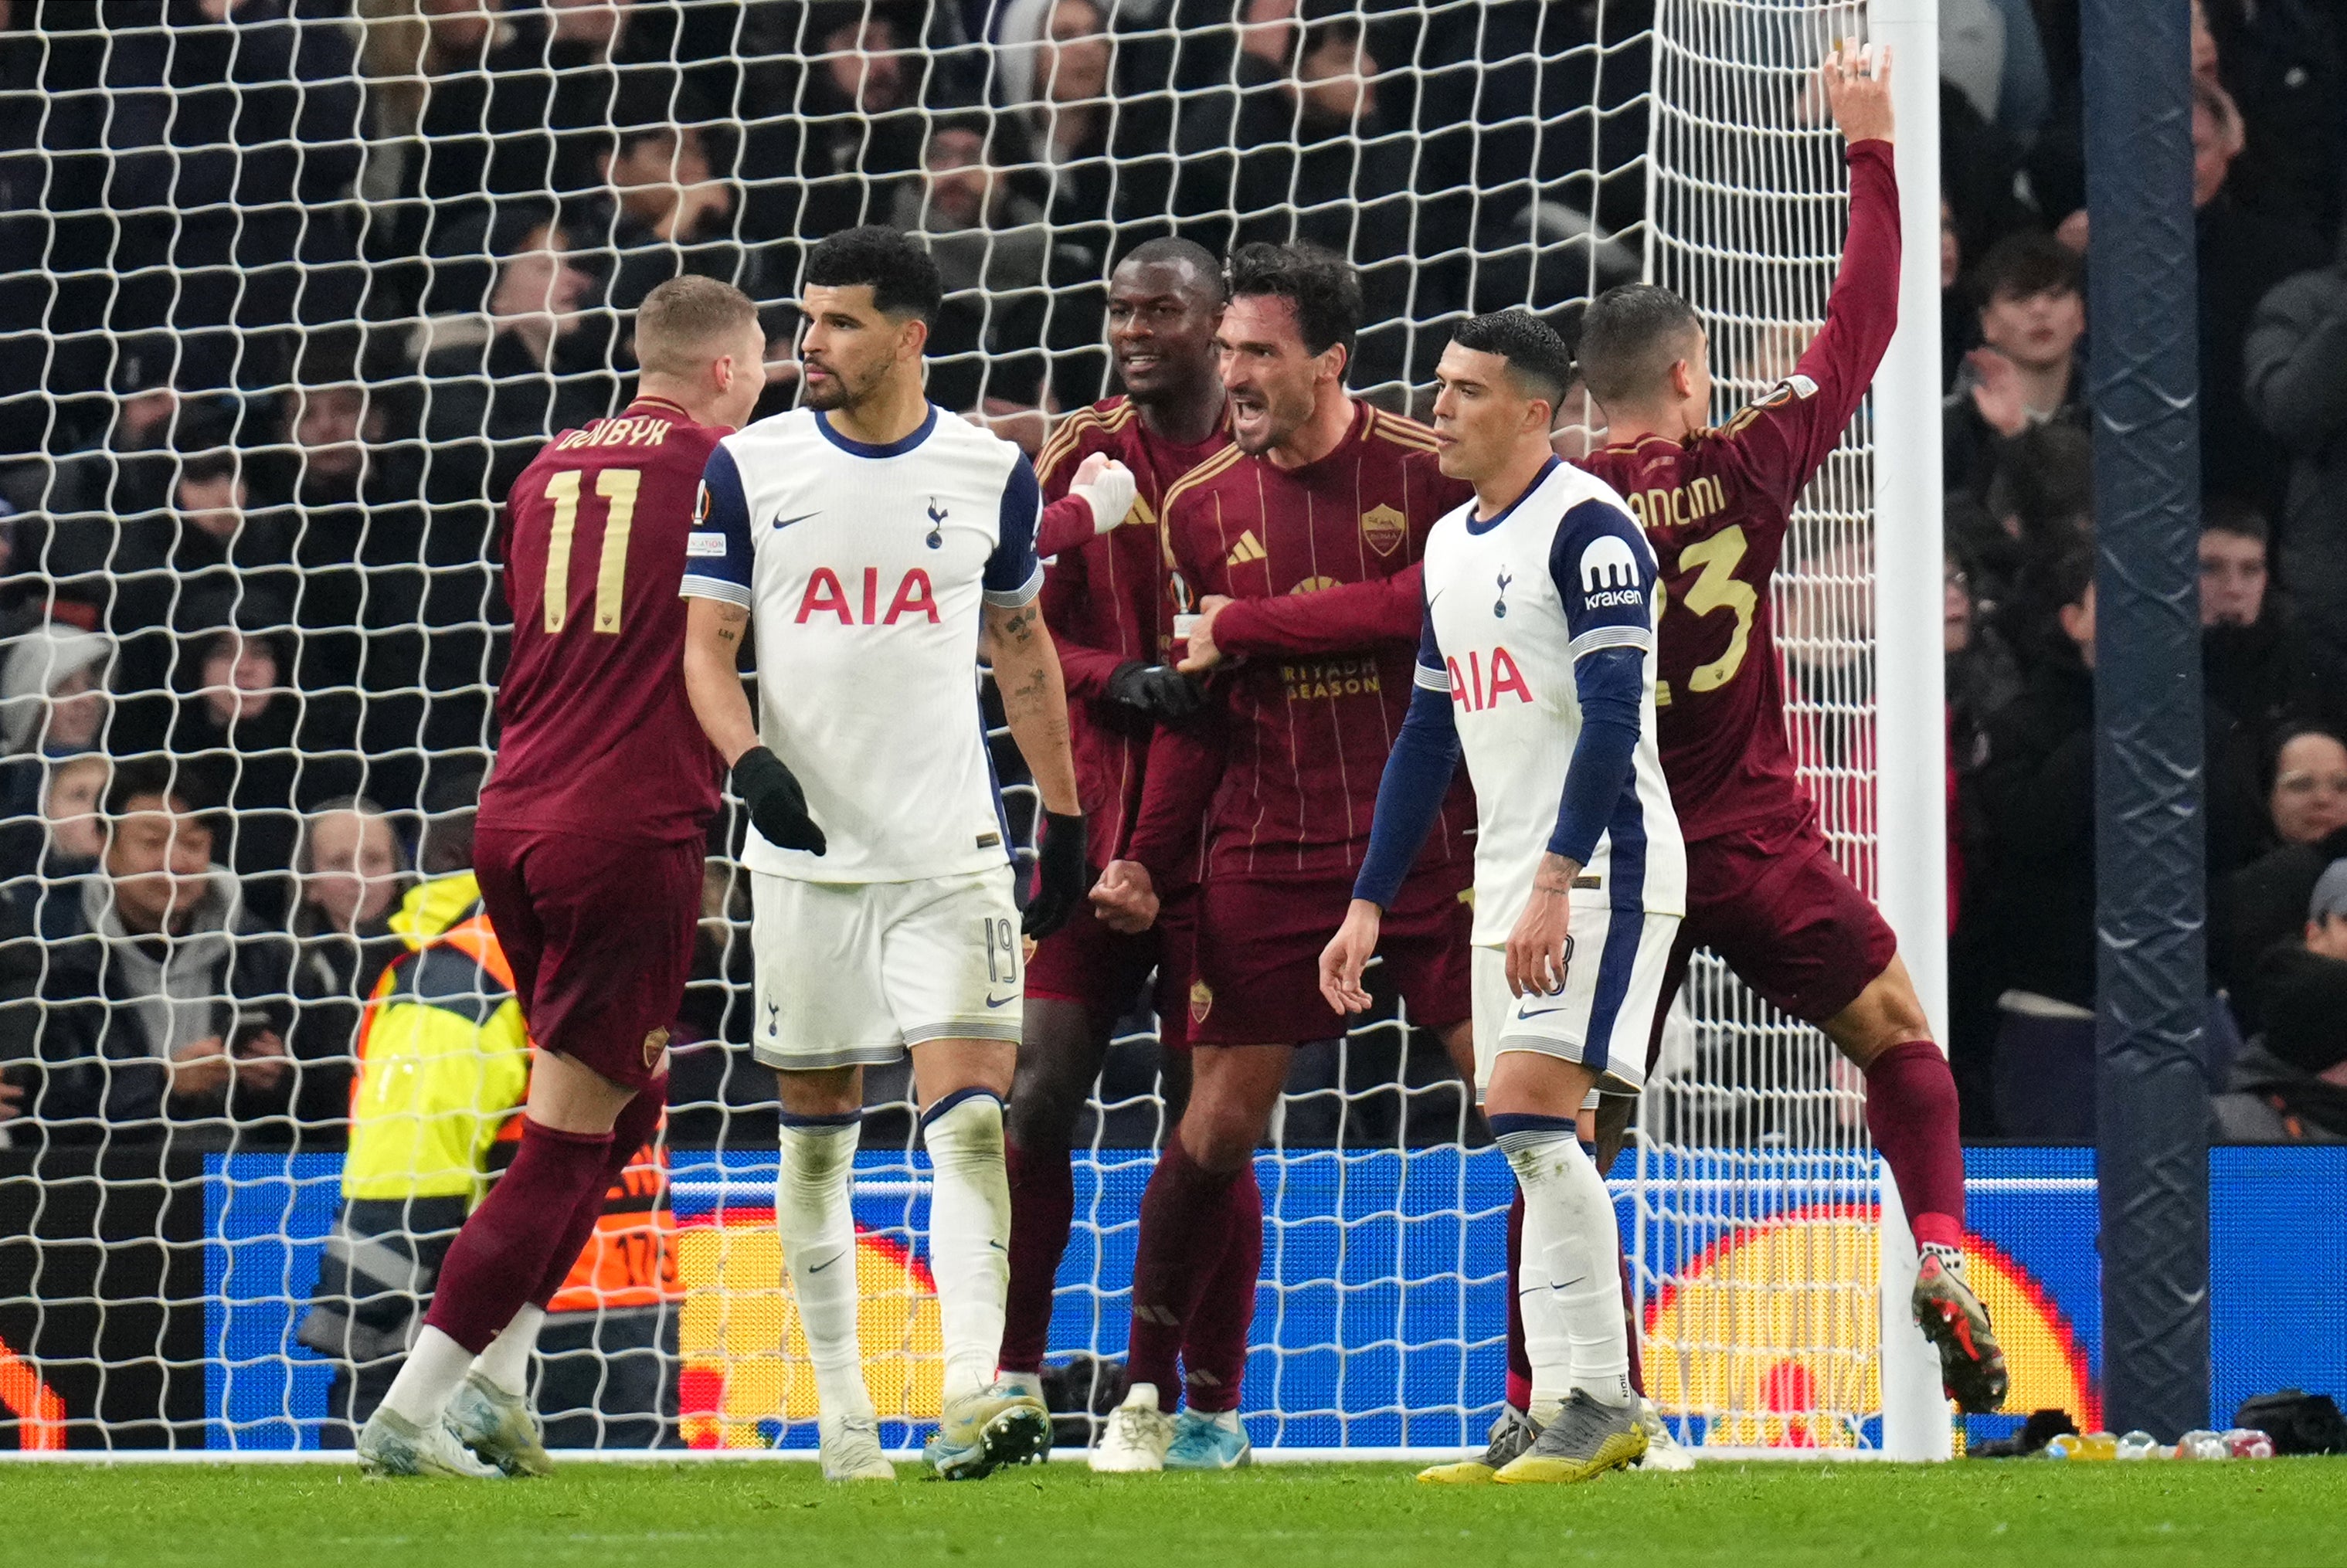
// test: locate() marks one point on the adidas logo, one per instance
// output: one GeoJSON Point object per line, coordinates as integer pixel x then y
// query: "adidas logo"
{"type": "Point", "coordinates": [1248, 549]}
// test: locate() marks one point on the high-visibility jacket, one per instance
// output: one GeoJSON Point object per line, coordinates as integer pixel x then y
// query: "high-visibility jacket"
{"type": "Point", "coordinates": [443, 1072]}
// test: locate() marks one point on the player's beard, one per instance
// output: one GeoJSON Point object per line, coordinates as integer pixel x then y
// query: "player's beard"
{"type": "Point", "coordinates": [838, 391]}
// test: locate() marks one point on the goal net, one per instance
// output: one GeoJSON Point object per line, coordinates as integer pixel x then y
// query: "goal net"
{"type": "Point", "coordinates": [295, 289]}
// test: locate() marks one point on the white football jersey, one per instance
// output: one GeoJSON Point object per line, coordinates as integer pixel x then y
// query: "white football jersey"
{"type": "Point", "coordinates": [864, 569]}
{"type": "Point", "coordinates": [1513, 605]}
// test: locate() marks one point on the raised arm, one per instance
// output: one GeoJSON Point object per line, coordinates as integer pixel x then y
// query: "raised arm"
{"type": "Point", "coordinates": [1789, 432]}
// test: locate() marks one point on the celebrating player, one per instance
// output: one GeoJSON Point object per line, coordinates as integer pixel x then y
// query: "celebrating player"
{"type": "Point", "coordinates": [1320, 489]}
{"type": "Point", "coordinates": [1538, 663]}
{"type": "Point", "coordinates": [873, 539]}
{"type": "Point", "coordinates": [1763, 888]}
{"type": "Point", "coordinates": [590, 848]}
{"type": "Point", "coordinates": [1106, 601]}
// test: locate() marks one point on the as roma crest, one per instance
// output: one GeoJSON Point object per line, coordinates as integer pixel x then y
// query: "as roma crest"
{"type": "Point", "coordinates": [1384, 527]}
{"type": "Point", "coordinates": [1202, 1001]}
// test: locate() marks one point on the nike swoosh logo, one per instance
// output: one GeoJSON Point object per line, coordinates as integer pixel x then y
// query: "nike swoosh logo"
{"type": "Point", "coordinates": [1002, 1001]}
{"type": "Point", "coordinates": [782, 523]}
{"type": "Point", "coordinates": [826, 1263]}
{"type": "Point", "coordinates": [1542, 1013]}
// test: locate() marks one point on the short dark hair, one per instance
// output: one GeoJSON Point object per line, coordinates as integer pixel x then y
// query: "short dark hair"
{"type": "Point", "coordinates": [1170, 250]}
{"type": "Point", "coordinates": [1320, 284]}
{"type": "Point", "coordinates": [2231, 514]}
{"type": "Point", "coordinates": [1630, 335]}
{"type": "Point", "coordinates": [162, 777]}
{"type": "Point", "coordinates": [1537, 358]}
{"type": "Point", "coordinates": [2021, 266]}
{"type": "Point", "coordinates": [902, 275]}
{"type": "Point", "coordinates": [212, 463]}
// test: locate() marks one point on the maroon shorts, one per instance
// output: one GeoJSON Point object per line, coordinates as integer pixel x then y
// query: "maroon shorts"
{"type": "Point", "coordinates": [1086, 962]}
{"type": "Point", "coordinates": [1772, 902]}
{"type": "Point", "coordinates": [600, 936]}
{"type": "Point", "coordinates": [1259, 942]}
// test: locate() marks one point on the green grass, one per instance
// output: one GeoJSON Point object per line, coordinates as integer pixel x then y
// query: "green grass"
{"type": "Point", "coordinates": [1275, 1516]}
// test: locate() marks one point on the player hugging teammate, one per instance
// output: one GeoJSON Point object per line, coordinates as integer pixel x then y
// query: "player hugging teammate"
{"type": "Point", "coordinates": [1260, 794]}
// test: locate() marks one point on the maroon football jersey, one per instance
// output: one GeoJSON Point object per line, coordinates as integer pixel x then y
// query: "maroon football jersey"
{"type": "Point", "coordinates": [596, 735]}
{"type": "Point", "coordinates": [1715, 507]}
{"type": "Point", "coordinates": [1305, 735]}
{"type": "Point", "coordinates": [1105, 601]}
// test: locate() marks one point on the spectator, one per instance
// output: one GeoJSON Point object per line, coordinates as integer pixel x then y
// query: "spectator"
{"type": "Point", "coordinates": [2281, 61]}
{"type": "Point", "coordinates": [162, 1000]}
{"type": "Point", "coordinates": [2243, 254]}
{"type": "Point", "coordinates": [320, 474]}
{"type": "Point", "coordinates": [2289, 1085]}
{"type": "Point", "coordinates": [490, 407]}
{"type": "Point", "coordinates": [2038, 507]}
{"type": "Point", "coordinates": [208, 545]}
{"type": "Point", "coordinates": [856, 138]}
{"type": "Point", "coordinates": [1325, 164]}
{"type": "Point", "coordinates": [2295, 378]}
{"type": "Point", "coordinates": [1959, 332]}
{"type": "Point", "coordinates": [993, 250]}
{"type": "Point", "coordinates": [2304, 780]}
{"type": "Point", "coordinates": [665, 214]}
{"type": "Point", "coordinates": [66, 838]}
{"type": "Point", "coordinates": [352, 871]}
{"type": "Point", "coordinates": [53, 706]}
{"type": "Point", "coordinates": [1989, 49]}
{"type": "Point", "coordinates": [2033, 312]}
{"type": "Point", "coordinates": [2257, 662]}
{"type": "Point", "coordinates": [259, 748]}
{"type": "Point", "coordinates": [2037, 788]}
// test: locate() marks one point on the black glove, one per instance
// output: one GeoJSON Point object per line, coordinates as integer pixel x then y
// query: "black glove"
{"type": "Point", "coordinates": [1063, 876]}
{"type": "Point", "coordinates": [777, 804]}
{"type": "Point", "coordinates": [1158, 691]}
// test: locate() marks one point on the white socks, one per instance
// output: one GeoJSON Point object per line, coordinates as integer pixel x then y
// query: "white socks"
{"type": "Point", "coordinates": [817, 1226]}
{"type": "Point", "coordinates": [1569, 1217]}
{"type": "Point", "coordinates": [970, 1233]}
{"type": "Point", "coordinates": [430, 1374]}
{"type": "Point", "coordinates": [506, 1362]}
{"type": "Point", "coordinates": [1547, 1344]}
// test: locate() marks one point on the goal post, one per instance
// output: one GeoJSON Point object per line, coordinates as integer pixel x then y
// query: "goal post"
{"type": "Point", "coordinates": [365, 258]}
{"type": "Point", "coordinates": [1910, 662]}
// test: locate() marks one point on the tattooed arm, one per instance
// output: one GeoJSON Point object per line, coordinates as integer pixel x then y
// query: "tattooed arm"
{"type": "Point", "coordinates": [1034, 699]}
{"type": "Point", "coordinates": [714, 630]}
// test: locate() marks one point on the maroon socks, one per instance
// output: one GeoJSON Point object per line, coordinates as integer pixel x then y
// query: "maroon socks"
{"type": "Point", "coordinates": [638, 1122]}
{"type": "Point", "coordinates": [1214, 1346]}
{"type": "Point", "coordinates": [1910, 1110]}
{"type": "Point", "coordinates": [509, 1244]}
{"type": "Point", "coordinates": [1042, 1208]}
{"type": "Point", "coordinates": [1185, 1224]}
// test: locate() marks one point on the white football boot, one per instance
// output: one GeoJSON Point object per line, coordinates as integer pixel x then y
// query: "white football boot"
{"type": "Point", "coordinates": [851, 1449]}
{"type": "Point", "coordinates": [1137, 1435]}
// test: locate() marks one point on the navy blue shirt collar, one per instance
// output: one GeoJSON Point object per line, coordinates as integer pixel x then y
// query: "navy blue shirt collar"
{"type": "Point", "coordinates": [1485, 526]}
{"type": "Point", "coordinates": [896, 448]}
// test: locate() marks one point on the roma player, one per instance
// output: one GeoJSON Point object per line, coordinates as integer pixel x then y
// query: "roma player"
{"type": "Point", "coordinates": [590, 848]}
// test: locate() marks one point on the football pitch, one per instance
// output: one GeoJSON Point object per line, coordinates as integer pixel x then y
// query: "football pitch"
{"type": "Point", "coordinates": [1275, 1516]}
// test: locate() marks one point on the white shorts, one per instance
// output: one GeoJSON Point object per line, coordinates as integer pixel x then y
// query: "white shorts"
{"type": "Point", "coordinates": [853, 973]}
{"type": "Point", "coordinates": [1613, 982]}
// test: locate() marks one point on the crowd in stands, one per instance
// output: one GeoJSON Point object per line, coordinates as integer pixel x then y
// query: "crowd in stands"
{"type": "Point", "coordinates": [290, 290]}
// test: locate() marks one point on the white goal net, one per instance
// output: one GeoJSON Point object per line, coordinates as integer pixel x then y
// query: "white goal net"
{"type": "Point", "coordinates": [294, 288]}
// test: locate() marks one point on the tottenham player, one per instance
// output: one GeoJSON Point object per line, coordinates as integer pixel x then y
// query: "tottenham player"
{"type": "Point", "coordinates": [1106, 601]}
{"type": "Point", "coordinates": [1537, 663]}
{"type": "Point", "coordinates": [589, 851]}
{"type": "Point", "coordinates": [877, 541]}
{"type": "Point", "coordinates": [1320, 489]}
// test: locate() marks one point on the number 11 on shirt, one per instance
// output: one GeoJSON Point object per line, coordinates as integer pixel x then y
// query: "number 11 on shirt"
{"type": "Point", "coordinates": [617, 487]}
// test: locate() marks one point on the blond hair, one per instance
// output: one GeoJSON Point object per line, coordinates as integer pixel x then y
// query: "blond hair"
{"type": "Point", "coordinates": [688, 320]}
